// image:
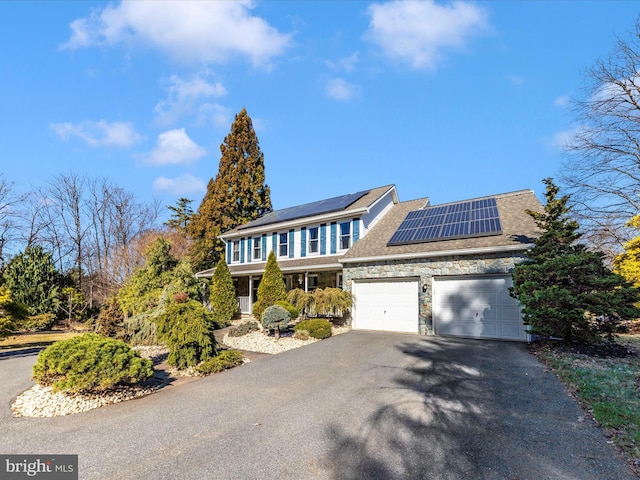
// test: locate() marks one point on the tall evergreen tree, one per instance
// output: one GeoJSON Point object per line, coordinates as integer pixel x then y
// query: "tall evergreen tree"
{"type": "Point", "coordinates": [237, 195]}
{"type": "Point", "coordinates": [180, 215]}
{"type": "Point", "coordinates": [222, 294]}
{"type": "Point", "coordinates": [272, 288]}
{"type": "Point", "coordinates": [565, 289]}
{"type": "Point", "coordinates": [34, 280]}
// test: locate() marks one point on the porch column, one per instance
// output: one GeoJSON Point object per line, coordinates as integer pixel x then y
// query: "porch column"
{"type": "Point", "coordinates": [250, 294]}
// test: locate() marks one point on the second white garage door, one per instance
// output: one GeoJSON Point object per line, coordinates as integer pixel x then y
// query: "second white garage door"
{"type": "Point", "coordinates": [478, 307]}
{"type": "Point", "coordinates": [390, 305]}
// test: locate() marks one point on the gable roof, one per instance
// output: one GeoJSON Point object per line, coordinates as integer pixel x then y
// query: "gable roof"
{"type": "Point", "coordinates": [321, 210]}
{"type": "Point", "coordinates": [518, 232]}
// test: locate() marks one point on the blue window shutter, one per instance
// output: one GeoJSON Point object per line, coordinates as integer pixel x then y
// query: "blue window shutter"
{"type": "Point", "coordinates": [356, 230]}
{"type": "Point", "coordinates": [274, 243]}
{"type": "Point", "coordinates": [291, 243]}
{"type": "Point", "coordinates": [303, 242]}
{"type": "Point", "coordinates": [323, 239]}
{"type": "Point", "coordinates": [228, 253]}
{"type": "Point", "coordinates": [249, 250]}
{"type": "Point", "coordinates": [242, 250]}
{"type": "Point", "coordinates": [334, 236]}
{"type": "Point", "coordinates": [264, 247]}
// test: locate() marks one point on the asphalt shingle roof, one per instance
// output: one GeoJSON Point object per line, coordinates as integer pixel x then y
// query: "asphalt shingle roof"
{"type": "Point", "coordinates": [518, 229]}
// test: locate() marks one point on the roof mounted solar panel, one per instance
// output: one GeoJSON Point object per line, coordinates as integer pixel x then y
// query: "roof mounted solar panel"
{"type": "Point", "coordinates": [474, 218]}
{"type": "Point", "coordinates": [320, 207]}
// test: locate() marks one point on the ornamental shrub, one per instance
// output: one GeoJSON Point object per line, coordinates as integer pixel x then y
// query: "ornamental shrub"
{"type": "Point", "coordinates": [187, 329]}
{"type": "Point", "coordinates": [222, 295]}
{"type": "Point", "coordinates": [223, 361]}
{"type": "Point", "coordinates": [38, 323]}
{"type": "Point", "coordinates": [318, 328]}
{"type": "Point", "coordinates": [110, 322]}
{"type": "Point", "coordinates": [293, 311]}
{"type": "Point", "coordinates": [275, 318]}
{"type": "Point", "coordinates": [243, 329]}
{"type": "Point", "coordinates": [271, 288]}
{"type": "Point", "coordinates": [90, 363]}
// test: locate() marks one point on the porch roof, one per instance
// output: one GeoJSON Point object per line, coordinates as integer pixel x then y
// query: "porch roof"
{"type": "Point", "coordinates": [307, 264]}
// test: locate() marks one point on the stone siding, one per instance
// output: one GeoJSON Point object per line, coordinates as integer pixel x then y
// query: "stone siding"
{"type": "Point", "coordinates": [426, 269]}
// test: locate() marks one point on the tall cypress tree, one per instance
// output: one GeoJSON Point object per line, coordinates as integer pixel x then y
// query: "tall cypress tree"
{"type": "Point", "coordinates": [237, 195]}
{"type": "Point", "coordinates": [565, 288]}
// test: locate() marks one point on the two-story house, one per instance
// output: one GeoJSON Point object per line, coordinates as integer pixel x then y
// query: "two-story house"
{"type": "Point", "coordinates": [411, 266]}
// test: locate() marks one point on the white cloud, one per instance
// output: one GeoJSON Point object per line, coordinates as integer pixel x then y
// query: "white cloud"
{"type": "Point", "coordinates": [562, 101]}
{"type": "Point", "coordinates": [99, 134]}
{"type": "Point", "coordinates": [563, 140]}
{"type": "Point", "coordinates": [515, 79]}
{"type": "Point", "coordinates": [174, 147]}
{"type": "Point", "coordinates": [188, 31]}
{"type": "Point", "coordinates": [215, 114]}
{"type": "Point", "coordinates": [347, 63]}
{"type": "Point", "coordinates": [183, 185]}
{"type": "Point", "coordinates": [183, 96]}
{"type": "Point", "coordinates": [418, 31]}
{"type": "Point", "coordinates": [340, 89]}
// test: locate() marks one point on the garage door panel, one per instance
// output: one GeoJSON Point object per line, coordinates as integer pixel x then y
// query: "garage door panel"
{"type": "Point", "coordinates": [477, 307]}
{"type": "Point", "coordinates": [386, 305]}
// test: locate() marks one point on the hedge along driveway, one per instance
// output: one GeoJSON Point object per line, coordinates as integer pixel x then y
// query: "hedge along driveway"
{"type": "Point", "coordinates": [358, 405]}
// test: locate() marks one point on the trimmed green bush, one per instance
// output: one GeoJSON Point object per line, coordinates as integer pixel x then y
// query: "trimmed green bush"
{"type": "Point", "coordinates": [110, 322]}
{"type": "Point", "coordinates": [293, 311]}
{"type": "Point", "coordinates": [243, 329]}
{"type": "Point", "coordinates": [223, 361]}
{"type": "Point", "coordinates": [38, 323]}
{"type": "Point", "coordinates": [90, 363]}
{"type": "Point", "coordinates": [275, 318]}
{"type": "Point", "coordinates": [271, 288]}
{"type": "Point", "coordinates": [222, 295]}
{"type": "Point", "coordinates": [187, 329]}
{"type": "Point", "coordinates": [318, 328]}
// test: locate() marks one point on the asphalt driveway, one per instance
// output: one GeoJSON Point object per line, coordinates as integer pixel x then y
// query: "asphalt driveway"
{"type": "Point", "coordinates": [361, 405]}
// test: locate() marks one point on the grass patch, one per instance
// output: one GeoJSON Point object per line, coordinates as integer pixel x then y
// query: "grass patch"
{"type": "Point", "coordinates": [607, 387]}
{"type": "Point", "coordinates": [29, 340]}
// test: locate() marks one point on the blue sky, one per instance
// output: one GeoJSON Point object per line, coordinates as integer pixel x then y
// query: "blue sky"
{"type": "Point", "coordinates": [450, 100]}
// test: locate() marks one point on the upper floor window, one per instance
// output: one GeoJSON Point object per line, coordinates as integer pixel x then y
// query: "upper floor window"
{"type": "Point", "coordinates": [283, 244]}
{"type": "Point", "coordinates": [236, 251]}
{"type": "Point", "coordinates": [314, 242]}
{"type": "Point", "coordinates": [345, 235]}
{"type": "Point", "coordinates": [257, 249]}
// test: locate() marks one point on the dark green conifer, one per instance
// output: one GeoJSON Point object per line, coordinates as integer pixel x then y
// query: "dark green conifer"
{"type": "Point", "coordinates": [272, 288]}
{"type": "Point", "coordinates": [566, 290]}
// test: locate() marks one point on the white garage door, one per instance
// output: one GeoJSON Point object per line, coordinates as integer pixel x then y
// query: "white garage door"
{"type": "Point", "coordinates": [478, 307]}
{"type": "Point", "coordinates": [390, 305]}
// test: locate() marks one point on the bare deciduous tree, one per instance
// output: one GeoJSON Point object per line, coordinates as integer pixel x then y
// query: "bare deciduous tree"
{"type": "Point", "coordinates": [602, 168]}
{"type": "Point", "coordinates": [10, 203]}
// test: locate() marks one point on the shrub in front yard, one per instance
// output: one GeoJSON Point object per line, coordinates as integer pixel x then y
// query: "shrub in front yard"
{"type": "Point", "coordinates": [38, 323]}
{"type": "Point", "coordinates": [187, 329]}
{"type": "Point", "coordinates": [223, 361]}
{"type": "Point", "coordinates": [275, 318]}
{"type": "Point", "coordinates": [318, 328]}
{"type": "Point", "coordinates": [90, 363]}
{"type": "Point", "coordinates": [243, 329]}
{"type": "Point", "coordinates": [293, 311]}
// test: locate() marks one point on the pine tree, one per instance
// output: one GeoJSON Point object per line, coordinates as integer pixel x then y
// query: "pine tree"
{"type": "Point", "coordinates": [565, 289]}
{"type": "Point", "coordinates": [237, 195]}
{"type": "Point", "coordinates": [181, 215]}
{"type": "Point", "coordinates": [223, 294]}
{"type": "Point", "coordinates": [272, 288]}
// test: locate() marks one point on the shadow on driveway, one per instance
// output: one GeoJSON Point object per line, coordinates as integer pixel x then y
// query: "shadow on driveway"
{"type": "Point", "coordinates": [473, 409]}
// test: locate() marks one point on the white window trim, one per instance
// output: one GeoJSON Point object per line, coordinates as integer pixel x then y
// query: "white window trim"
{"type": "Point", "coordinates": [283, 244]}
{"type": "Point", "coordinates": [235, 251]}
{"type": "Point", "coordinates": [257, 241]}
{"type": "Point", "coordinates": [317, 240]}
{"type": "Point", "coordinates": [341, 236]}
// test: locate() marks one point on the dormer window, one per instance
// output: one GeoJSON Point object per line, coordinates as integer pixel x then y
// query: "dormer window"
{"type": "Point", "coordinates": [345, 235]}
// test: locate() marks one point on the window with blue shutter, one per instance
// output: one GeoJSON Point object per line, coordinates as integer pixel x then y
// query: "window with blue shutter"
{"type": "Point", "coordinates": [242, 250]}
{"type": "Point", "coordinates": [303, 242]}
{"type": "Point", "coordinates": [334, 236]}
{"type": "Point", "coordinates": [228, 253]}
{"type": "Point", "coordinates": [291, 243]}
{"type": "Point", "coordinates": [274, 242]}
{"type": "Point", "coordinates": [323, 239]}
{"type": "Point", "coordinates": [264, 247]}
{"type": "Point", "coordinates": [356, 229]}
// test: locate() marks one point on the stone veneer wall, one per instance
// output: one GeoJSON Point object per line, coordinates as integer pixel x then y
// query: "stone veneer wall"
{"type": "Point", "coordinates": [426, 269]}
